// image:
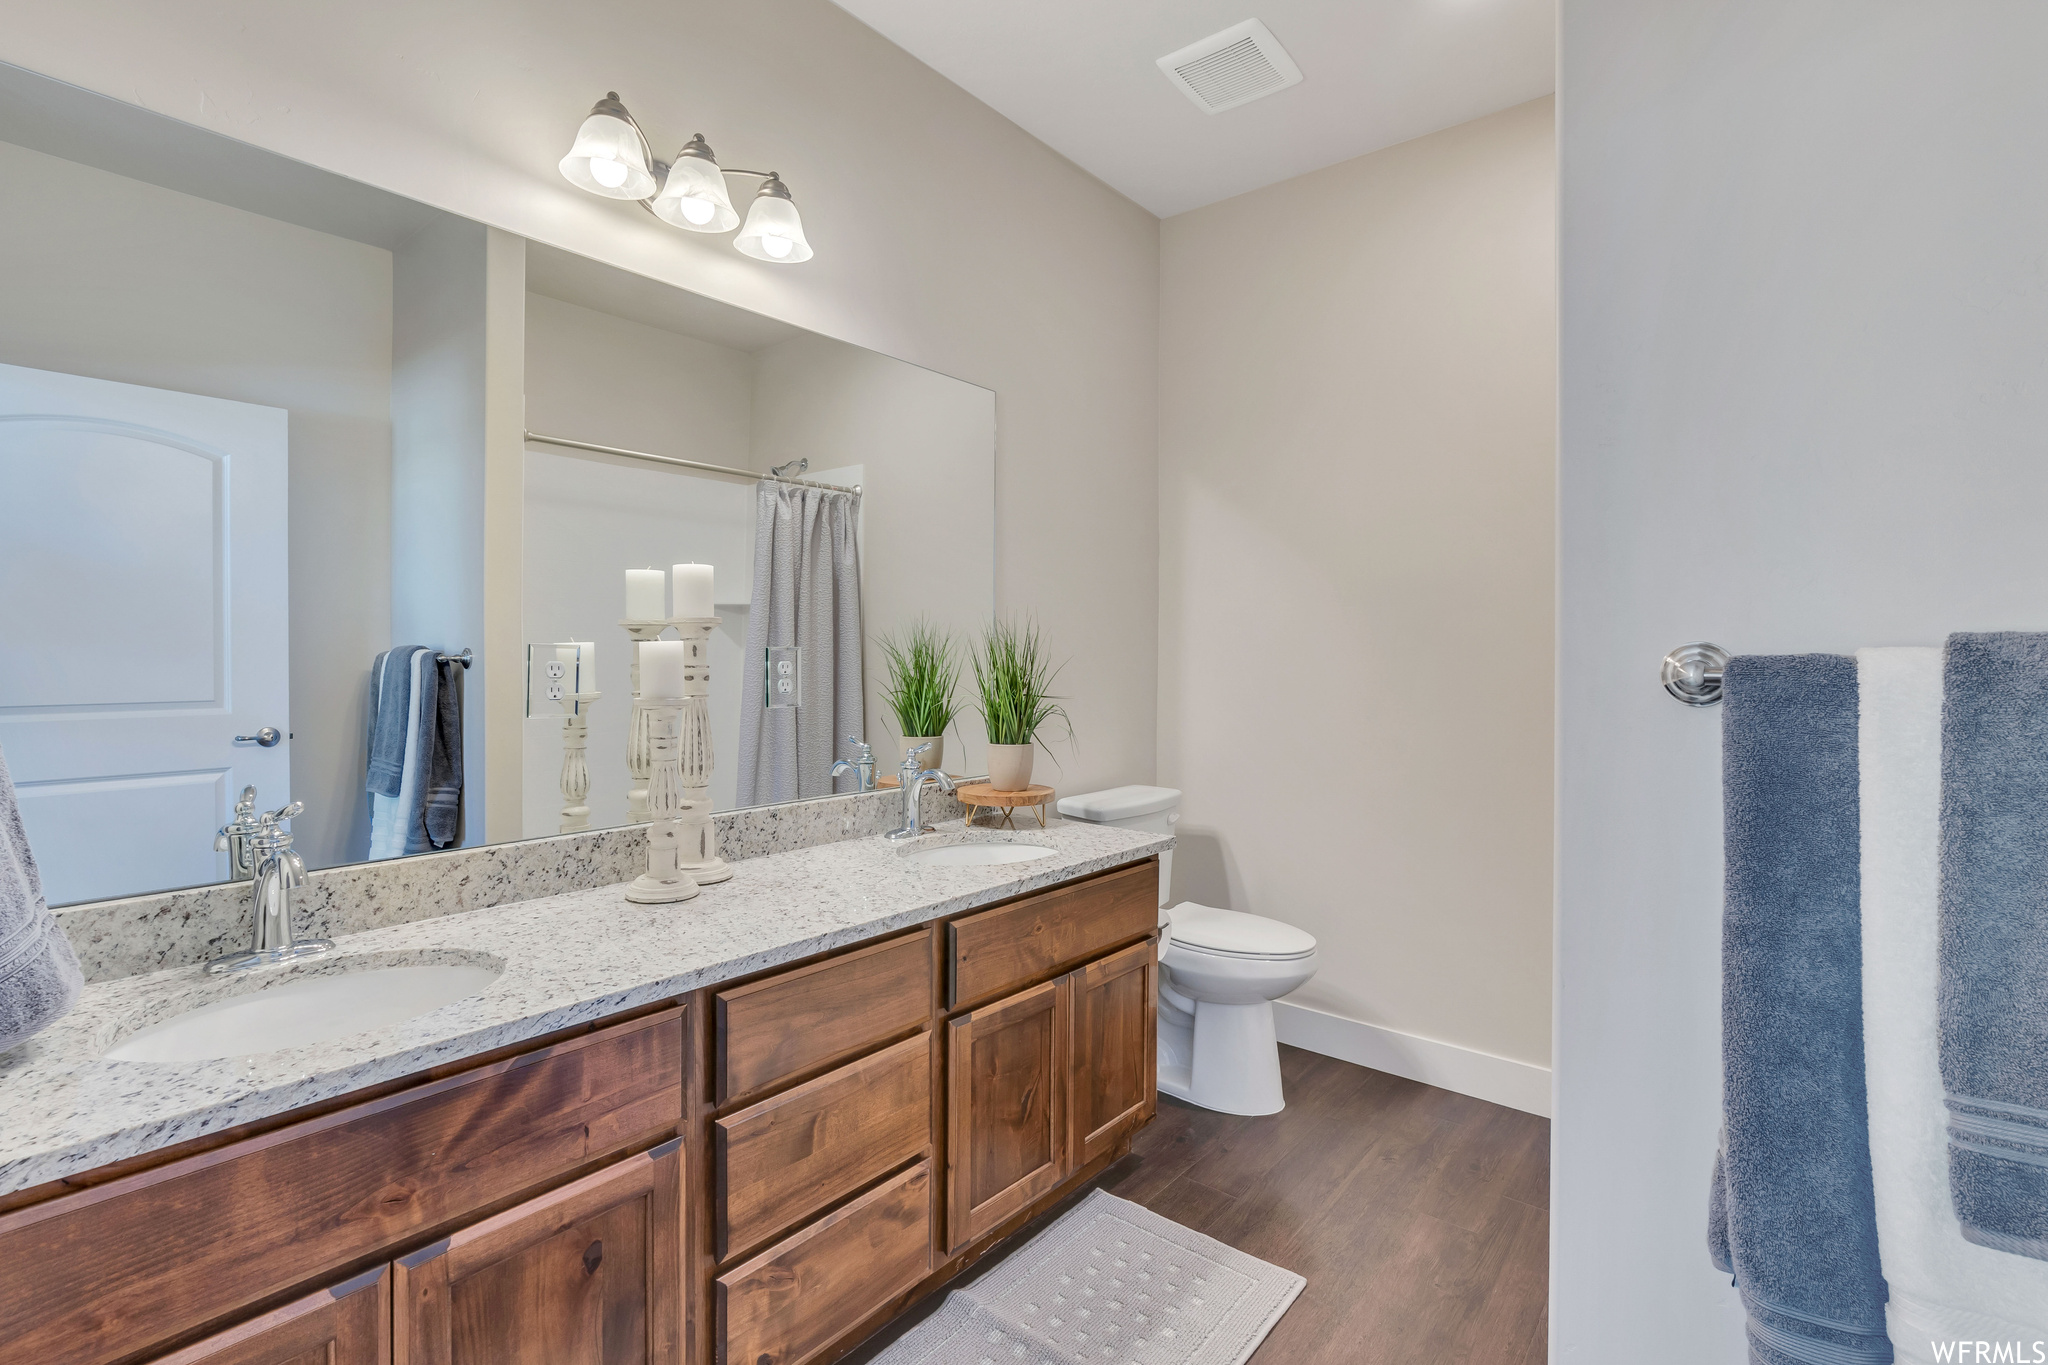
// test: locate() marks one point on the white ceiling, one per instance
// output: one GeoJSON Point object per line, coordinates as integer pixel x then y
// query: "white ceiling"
{"type": "Point", "coordinates": [1080, 76]}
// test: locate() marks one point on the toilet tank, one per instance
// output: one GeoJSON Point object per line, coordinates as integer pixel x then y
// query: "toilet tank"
{"type": "Point", "coordinates": [1155, 810]}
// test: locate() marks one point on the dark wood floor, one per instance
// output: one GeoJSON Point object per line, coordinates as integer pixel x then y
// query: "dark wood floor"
{"type": "Point", "coordinates": [1419, 1217]}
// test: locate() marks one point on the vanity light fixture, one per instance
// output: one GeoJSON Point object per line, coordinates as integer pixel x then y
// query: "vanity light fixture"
{"type": "Point", "coordinates": [612, 157]}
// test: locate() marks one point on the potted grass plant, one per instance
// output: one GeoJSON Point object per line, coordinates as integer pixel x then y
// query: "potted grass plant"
{"type": "Point", "coordinates": [1012, 677]}
{"type": "Point", "coordinates": [923, 678]}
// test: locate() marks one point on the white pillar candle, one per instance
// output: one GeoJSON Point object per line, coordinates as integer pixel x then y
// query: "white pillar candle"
{"type": "Point", "coordinates": [645, 594]}
{"type": "Point", "coordinates": [661, 668]}
{"type": "Point", "coordinates": [692, 590]}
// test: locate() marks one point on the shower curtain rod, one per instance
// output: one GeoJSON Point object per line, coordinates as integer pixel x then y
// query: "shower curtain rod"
{"type": "Point", "coordinates": [732, 470]}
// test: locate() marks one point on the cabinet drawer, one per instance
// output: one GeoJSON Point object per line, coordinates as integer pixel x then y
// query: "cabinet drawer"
{"type": "Point", "coordinates": [103, 1273]}
{"type": "Point", "coordinates": [799, 1296]}
{"type": "Point", "coordinates": [999, 950]}
{"type": "Point", "coordinates": [347, 1324]}
{"type": "Point", "coordinates": [778, 1027]}
{"type": "Point", "coordinates": [784, 1159]}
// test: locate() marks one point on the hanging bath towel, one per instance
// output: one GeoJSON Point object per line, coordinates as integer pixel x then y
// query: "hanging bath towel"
{"type": "Point", "coordinates": [1792, 1217]}
{"type": "Point", "coordinates": [39, 974]}
{"type": "Point", "coordinates": [1943, 1289]}
{"type": "Point", "coordinates": [1994, 936]}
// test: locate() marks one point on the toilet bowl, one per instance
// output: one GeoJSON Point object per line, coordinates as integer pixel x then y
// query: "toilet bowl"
{"type": "Point", "coordinates": [1221, 971]}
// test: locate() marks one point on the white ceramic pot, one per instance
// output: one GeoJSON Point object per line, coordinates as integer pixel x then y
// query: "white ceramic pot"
{"type": "Point", "coordinates": [1009, 766]}
{"type": "Point", "coordinates": [934, 757]}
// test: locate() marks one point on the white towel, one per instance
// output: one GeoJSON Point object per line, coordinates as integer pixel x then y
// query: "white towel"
{"type": "Point", "coordinates": [389, 815]}
{"type": "Point", "coordinates": [1943, 1288]}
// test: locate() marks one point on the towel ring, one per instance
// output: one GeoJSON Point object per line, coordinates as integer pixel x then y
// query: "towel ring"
{"type": "Point", "coordinates": [1692, 673]}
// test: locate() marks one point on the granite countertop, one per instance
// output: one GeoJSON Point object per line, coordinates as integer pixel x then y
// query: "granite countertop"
{"type": "Point", "coordinates": [567, 959]}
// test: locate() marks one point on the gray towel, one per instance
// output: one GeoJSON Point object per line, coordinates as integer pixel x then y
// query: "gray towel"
{"type": "Point", "coordinates": [440, 804]}
{"type": "Point", "coordinates": [39, 974]}
{"type": "Point", "coordinates": [390, 705]}
{"type": "Point", "coordinates": [1994, 936]}
{"type": "Point", "coordinates": [1795, 1218]}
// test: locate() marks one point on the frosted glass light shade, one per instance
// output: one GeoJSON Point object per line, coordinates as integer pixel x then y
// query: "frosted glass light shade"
{"type": "Point", "coordinates": [774, 232]}
{"type": "Point", "coordinates": [694, 197]}
{"type": "Point", "coordinates": [607, 159]}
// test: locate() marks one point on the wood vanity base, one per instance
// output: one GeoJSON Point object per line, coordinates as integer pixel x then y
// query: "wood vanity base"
{"type": "Point", "coordinates": [762, 1174]}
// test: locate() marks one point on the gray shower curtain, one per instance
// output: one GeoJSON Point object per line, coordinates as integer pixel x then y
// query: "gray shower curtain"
{"type": "Point", "coordinates": [807, 594]}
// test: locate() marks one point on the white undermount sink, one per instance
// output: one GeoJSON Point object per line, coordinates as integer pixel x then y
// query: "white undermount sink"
{"type": "Point", "coordinates": [310, 1009]}
{"type": "Point", "coordinates": [975, 855]}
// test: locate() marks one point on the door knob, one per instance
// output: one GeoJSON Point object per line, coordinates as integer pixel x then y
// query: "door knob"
{"type": "Point", "coordinates": [268, 737]}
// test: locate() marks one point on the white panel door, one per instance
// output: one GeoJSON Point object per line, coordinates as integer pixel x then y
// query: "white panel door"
{"type": "Point", "coordinates": [143, 626]}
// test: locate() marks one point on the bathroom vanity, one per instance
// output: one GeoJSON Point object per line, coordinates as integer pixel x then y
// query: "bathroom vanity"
{"type": "Point", "coordinates": [721, 1162]}
{"type": "Point", "coordinates": [492, 1110]}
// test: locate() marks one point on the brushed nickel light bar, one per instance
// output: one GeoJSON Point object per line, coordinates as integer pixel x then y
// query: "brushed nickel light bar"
{"type": "Point", "coordinates": [612, 157]}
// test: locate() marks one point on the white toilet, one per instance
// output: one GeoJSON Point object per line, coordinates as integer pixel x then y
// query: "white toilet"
{"type": "Point", "coordinates": [1221, 971]}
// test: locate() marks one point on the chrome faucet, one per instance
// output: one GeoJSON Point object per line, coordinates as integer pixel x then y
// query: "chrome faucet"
{"type": "Point", "coordinates": [279, 873]}
{"type": "Point", "coordinates": [237, 839]}
{"type": "Point", "coordinates": [862, 763]}
{"type": "Point", "coordinates": [912, 781]}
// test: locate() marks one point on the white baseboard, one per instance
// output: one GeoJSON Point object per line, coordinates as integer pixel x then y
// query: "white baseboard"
{"type": "Point", "coordinates": [1518, 1085]}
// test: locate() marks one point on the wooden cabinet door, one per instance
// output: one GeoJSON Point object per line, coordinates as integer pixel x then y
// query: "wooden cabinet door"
{"type": "Point", "coordinates": [349, 1324]}
{"type": "Point", "coordinates": [589, 1274]}
{"type": "Point", "coordinates": [1006, 1107]}
{"type": "Point", "coordinates": [1115, 1061]}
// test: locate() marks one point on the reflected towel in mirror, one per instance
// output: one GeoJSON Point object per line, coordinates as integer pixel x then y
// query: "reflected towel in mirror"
{"type": "Point", "coordinates": [39, 973]}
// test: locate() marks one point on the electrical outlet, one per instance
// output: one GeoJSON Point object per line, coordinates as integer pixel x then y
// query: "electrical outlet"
{"type": "Point", "coordinates": [784, 677]}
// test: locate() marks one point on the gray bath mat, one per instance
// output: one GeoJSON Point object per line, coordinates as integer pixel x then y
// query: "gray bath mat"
{"type": "Point", "coordinates": [1109, 1283]}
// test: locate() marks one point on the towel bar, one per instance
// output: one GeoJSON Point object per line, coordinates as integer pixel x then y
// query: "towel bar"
{"type": "Point", "coordinates": [1692, 673]}
{"type": "Point", "coordinates": [464, 658]}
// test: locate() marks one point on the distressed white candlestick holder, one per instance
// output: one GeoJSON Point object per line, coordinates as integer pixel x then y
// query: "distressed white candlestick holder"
{"type": "Point", "coordinates": [639, 750]}
{"type": "Point", "coordinates": [576, 761]}
{"type": "Point", "coordinates": [665, 880]}
{"type": "Point", "coordinates": [699, 841]}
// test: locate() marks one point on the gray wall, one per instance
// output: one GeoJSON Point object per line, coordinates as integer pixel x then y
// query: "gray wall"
{"type": "Point", "coordinates": [926, 444]}
{"type": "Point", "coordinates": [1804, 302]}
{"type": "Point", "coordinates": [457, 360]}
{"type": "Point", "coordinates": [116, 279]}
{"type": "Point", "coordinates": [1357, 450]}
{"type": "Point", "coordinates": [591, 376]}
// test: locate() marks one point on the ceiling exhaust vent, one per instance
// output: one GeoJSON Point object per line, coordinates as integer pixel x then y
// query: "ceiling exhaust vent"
{"type": "Point", "coordinates": [1236, 66]}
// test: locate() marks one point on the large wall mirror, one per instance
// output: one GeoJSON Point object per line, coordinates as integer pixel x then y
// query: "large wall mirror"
{"type": "Point", "coordinates": [280, 452]}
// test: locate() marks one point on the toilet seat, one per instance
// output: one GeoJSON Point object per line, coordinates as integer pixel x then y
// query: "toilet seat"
{"type": "Point", "coordinates": [1243, 957]}
{"type": "Point", "coordinates": [1214, 932]}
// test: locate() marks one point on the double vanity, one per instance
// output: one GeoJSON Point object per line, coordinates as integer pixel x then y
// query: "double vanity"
{"type": "Point", "coordinates": [749, 1129]}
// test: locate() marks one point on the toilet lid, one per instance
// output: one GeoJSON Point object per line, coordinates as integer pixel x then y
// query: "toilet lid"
{"type": "Point", "coordinates": [1233, 933]}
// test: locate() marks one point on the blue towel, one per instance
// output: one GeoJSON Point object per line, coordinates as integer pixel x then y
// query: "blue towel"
{"type": "Point", "coordinates": [390, 706]}
{"type": "Point", "coordinates": [39, 973]}
{"type": "Point", "coordinates": [1994, 936]}
{"type": "Point", "coordinates": [439, 822]}
{"type": "Point", "coordinates": [1797, 1212]}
